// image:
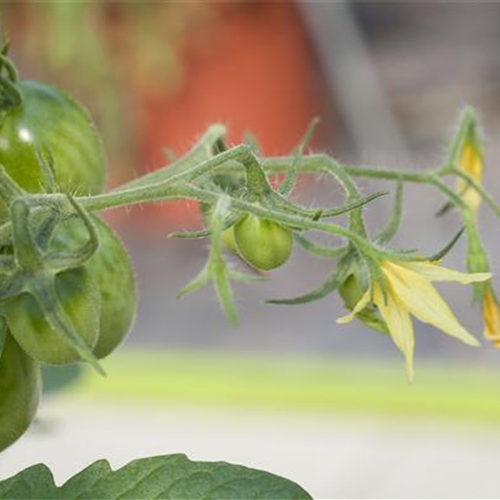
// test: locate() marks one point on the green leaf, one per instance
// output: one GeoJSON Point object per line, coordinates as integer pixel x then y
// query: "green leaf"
{"type": "Point", "coordinates": [317, 249]}
{"type": "Point", "coordinates": [251, 140]}
{"type": "Point", "coordinates": [204, 233]}
{"type": "Point", "coordinates": [197, 283]}
{"type": "Point", "coordinates": [35, 482]}
{"type": "Point", "coordinates": [443, 252]}
{"type": "Point", "coordinates": [164, 477]}
{"type": "Point", "coordinates": [288, 183]}
{"type": "Point", "coordinates": [47, 166]}
{"type": "Point", "coordinates": [330, 285]}
{"type": "Point", "coordinates": [223, 289]}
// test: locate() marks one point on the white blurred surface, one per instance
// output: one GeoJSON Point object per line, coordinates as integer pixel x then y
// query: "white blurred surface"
{"type": "Point", "coordinates": [347, 457]}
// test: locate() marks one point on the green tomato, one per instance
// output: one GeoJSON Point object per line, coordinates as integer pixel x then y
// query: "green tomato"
{"type": "Point", "coordinates": [48, 118]}
{"type": "Point", "coordinates": [113, 272]}
{"type": "Point", "coordinates": [79, 296]}
{"type": "Point", "coordinates": [229, 240]}
{"type": "Point", "coordinates": [262, 243]}
{"type": "Point", "coordinates": [20, 385]}
{"type": "Point", "coordinates": [351, 292]}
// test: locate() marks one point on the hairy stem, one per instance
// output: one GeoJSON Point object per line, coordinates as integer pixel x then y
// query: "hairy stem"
{"type": "Point", "coordinates": [319, 162]}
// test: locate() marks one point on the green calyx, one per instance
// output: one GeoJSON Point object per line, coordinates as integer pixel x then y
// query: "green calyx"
{"type": "Point", "coordinates": [10, 95]}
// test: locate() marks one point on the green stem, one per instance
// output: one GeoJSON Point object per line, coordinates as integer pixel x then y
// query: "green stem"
{"type": "Point", "coordinates": [356, 220]}
{"type": "Point", "coordinates": [172, 186]}
{"type": "Point", "coordinates": [393, 175]}
{"type": "Point", "coordinates": [130, 197]}
{"type": "Point", "coordinates": [467, 214]}
{"type": "Point", "coordinates": [164, 190]}
{"type": "Point", "coordinates": [316, 163]}
{"type": "Point", "coordinates": [319, 162]}
{"type": "Point", "coordinates": [201, 151]}
{"type": "Point", "coordinates": [28, 254]}
{"type": "Point", "coordinates": [168, 189]}
{"type": "Point", "coordinates": [488, 199]}
{"type": "Point", "coordinates": [436, 181]}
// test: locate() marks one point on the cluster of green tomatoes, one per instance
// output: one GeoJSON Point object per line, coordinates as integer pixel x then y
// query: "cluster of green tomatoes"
{"type": "Point", "coordinates": [59, 274]}
{"type": "Point", "coordinates": [67, 286]}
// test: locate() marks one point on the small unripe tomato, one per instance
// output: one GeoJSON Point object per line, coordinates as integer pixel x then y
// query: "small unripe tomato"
{"type": "Point", "coordinates": [48, 118]}
{"type": "Point", "coordinates": [351, 292]}
{"type": "Point", "coordinates": [262, 243]}
{"type": "Point", "coordinates": [229, 240]}
{"type": "Point", "coordinates": [20, 386]}
{"type": "Point", "coordinates": [113, 271]}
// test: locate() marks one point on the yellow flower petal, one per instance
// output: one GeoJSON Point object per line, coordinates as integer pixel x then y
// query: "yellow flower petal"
{"type": "Point", "coordinates": [423, 301]}
{"type": "Point", "coordinates": [491, 318]}
{"type": "Point", "coordinates": [471, 162]}
{"type": "Point", "coordinates": [435, 272]}
{"type": "Point", "coordinates": [399, 324]}
{"type": "Point", "coordinates": [363, 302]}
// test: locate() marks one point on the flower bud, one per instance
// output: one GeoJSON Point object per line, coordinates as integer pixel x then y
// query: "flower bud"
{"type": "Point", "coordinates": [470, 161]}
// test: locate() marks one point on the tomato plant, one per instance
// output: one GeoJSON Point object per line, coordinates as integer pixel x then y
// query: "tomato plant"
{"type": "Point", "coordinates": [67, 286]}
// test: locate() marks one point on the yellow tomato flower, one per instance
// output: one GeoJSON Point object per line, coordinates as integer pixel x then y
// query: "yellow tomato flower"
{"type": "Point", "coordinates": [471, 162]}
{"type": "Point", "coordinates": [491, 317]}
{"type": "Point", "coordinates": [410, 291]}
